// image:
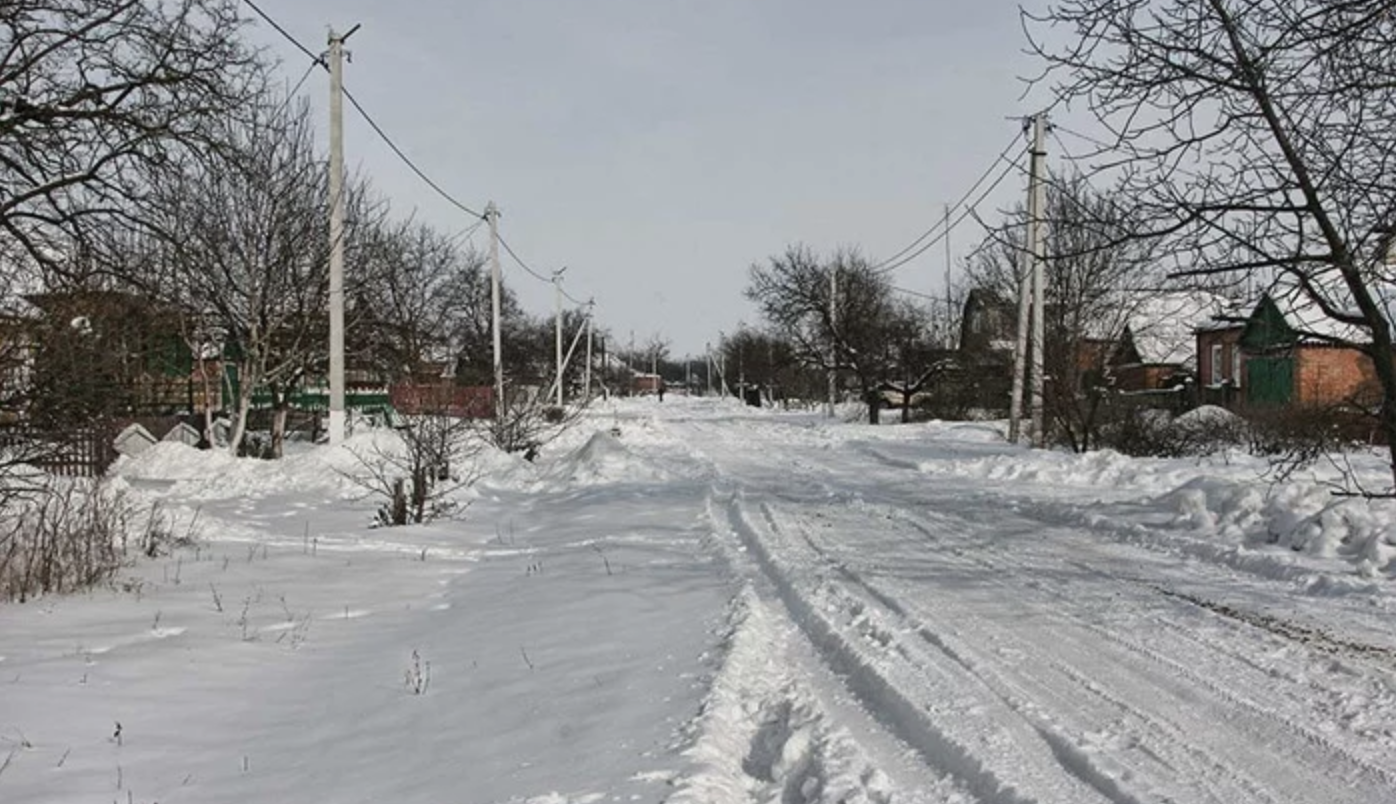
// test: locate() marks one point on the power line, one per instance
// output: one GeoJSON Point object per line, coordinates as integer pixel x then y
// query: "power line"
{"type": "Point", "coordinates": [274, 24]}
{"type": "Point", "coordinates": [297, 88]}
{"type": "Point", "coordinates": [940, 222]}
{"type": "Point", "coordinates": [405, 160]}
{"type": "Point", "coordinates": [368, 118]}
{"type": "Point", "coordinates": [573, 299]}
{"type": "Point", "coordinates": [969, 210]}
{"type": "Point", "coordinates": [317, 60]}
{"type": "Point", "coordinates": [523, 264]}
{"type": "Point", "coordinates": [1101, 144]}
{"type": "Point", "coordinates": [535, 274]}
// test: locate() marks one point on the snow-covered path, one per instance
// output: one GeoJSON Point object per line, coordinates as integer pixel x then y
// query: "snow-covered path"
{"type": "Point", "coordinates": [1031, 659]}
{"type": "Point", "coordinates": [722, 605]}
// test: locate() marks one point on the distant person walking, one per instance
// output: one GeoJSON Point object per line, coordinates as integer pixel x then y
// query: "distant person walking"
{"type": "Point", "coordinates": [661, 390]}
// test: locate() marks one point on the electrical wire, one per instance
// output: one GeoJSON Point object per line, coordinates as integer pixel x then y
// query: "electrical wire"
{"type": "Point", "coordinates": [291, 96]}
{"type": "Point", "coordinates": [521, 263]}
{"type": "Point", "coordinates": [941, 222]}
{"type": "Point", "coordinates": [317, 60]}
{"type": "Point", "coordinates": [405, 159]}
{"type": "Point", "coordinates": [969, 210]}
{"type": "Point", "coordinates": [573, 299]}
{"type": "Point", "coordinates": [1101, 144]}
{"type": "Point", "coordinates": [368, 118]}
{"type": "Point", "coordinates": [274, 24]}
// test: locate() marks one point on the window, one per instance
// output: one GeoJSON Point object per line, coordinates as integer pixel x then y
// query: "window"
{"type": "Point", "coordinates": [1215, 372]}
{"type": "Point", "coordinates": [1236, 364]}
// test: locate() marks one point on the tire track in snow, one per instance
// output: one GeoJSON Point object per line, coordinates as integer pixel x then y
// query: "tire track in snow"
{"type": "Point", "coordinates": [929, 706]}
{"type": "Point", "coordinates": [1247, 714]}
{"type": "Point", "coordinates": [762, 735]}
{"type": "Point", "coordinates": [1198, 716]}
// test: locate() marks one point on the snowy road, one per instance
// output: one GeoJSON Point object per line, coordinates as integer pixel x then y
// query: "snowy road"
{"type": "Point", "coordinates": [1027, 659]}
{"type": "Point", "coordinates": [725, 606]}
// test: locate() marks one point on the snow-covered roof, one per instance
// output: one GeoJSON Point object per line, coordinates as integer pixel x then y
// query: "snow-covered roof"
{"type": "Point", "coordinates": [1304, 314]}
{"type": "Point", "coordinates": [1163, 323]}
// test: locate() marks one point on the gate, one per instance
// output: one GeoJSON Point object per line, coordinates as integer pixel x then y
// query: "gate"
{"type": "Point", "coordinates": [1271, 380]}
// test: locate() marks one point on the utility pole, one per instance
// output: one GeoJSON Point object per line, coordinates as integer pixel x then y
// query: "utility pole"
{"type": "Point", "coordinates": [1038, 255]}
{"type": "Point", "coordinates": [833, 338]}
{"type": "Point", "coordinates": [949, 342]}
{"type": "Point", "coordinates": [492, 215]}
{"type": "Point", "coordinates": [338, 418]}
{"type": "Point", "coordinates": [591, 306]}
{"type": "Point", "coordinates": [1020, 341]}
{"type": "Point", "coordinates": [557, 288]}
{"type": "Point", "coordinates": [708, 370]}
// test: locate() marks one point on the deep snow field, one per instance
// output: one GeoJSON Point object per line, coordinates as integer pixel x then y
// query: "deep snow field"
{"type": "Point", "coordinates": [696, 601]}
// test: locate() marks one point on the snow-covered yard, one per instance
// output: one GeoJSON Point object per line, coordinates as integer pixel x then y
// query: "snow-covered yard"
{"type": "Point", "coordinates": [723, 604]}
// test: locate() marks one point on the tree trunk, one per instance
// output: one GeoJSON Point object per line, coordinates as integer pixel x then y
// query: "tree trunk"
{"type": "Point", "coordinates": [278, 428]}
{"type": "Point", "coordinates": [240, 423]}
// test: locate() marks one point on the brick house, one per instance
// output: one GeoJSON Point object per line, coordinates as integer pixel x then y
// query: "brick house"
{"type": "Point", "coordinates": [1220, 361]}
{"type": "Point", "coordinates": [1292, 354]}
{"type": "Point", "coordinates": [1155, 349]}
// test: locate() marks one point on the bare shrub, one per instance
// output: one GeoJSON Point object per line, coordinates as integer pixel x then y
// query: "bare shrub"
{"type": "Point", "coordinates": [1154, 432]}
{"type": "Point", "coordinates": [70, 537]}
{"type": "Point", "coordinates": [1295, 437]}
{"type": "Point", "coordinates": [414, 479]}
{"type": "Point", "coordinates": [527, 423]}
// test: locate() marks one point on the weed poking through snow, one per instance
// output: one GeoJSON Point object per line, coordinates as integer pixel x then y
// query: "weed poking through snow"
{"type": "Point", "coordinates": [418, 675]}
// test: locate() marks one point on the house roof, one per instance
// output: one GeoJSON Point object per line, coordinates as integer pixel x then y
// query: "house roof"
{"type": "Point", "coordinates": [1304, 315]}
{"type": "Point", "coordinates": [1162, 324]}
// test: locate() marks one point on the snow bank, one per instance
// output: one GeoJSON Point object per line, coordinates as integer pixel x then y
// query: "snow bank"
{"type": "Point", "coordinates": [603, 459]}
{"type": "Point", "coordinates": [1304, 517]}
{"type": "Point", "coordinates": [1100, 469]}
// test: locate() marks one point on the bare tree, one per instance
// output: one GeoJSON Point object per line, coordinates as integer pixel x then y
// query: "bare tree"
{"type": "Point", "coordinates": [90, 89]}
{"type": "Point", "coordinates": [792, 293]}
{"type": "Point", "coordinates": [420, 295]}
{"type": "Point", "coordinates": [767, 360]}
{"type": "Point", "coordinates": [245, 243]}
{"type": "Point", "coordinates": [1098, 274]}
{"type": "Point", "coordinates": [1257, 135]}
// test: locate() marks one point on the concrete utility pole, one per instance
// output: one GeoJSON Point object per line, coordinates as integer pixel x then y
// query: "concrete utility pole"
{"type": "Point", "coordinates": [1038, 253]}
{"type": "Point", "coordinates": [1020, 341]}
{"type": "Point", "coordinates": [492, 215]}
{"type": "Point", "coordinates": [338, 419]}
{"type": "Point", "coordinates": [949, 341]}
{"type": "Point", "coordinates": [708, 354]}
{"type": "Point", "coordinates": [591, 306]}
{"type": "Point", "coordinates": [833, 338]}
{"type": "Point", "coordinates": [557, 288]}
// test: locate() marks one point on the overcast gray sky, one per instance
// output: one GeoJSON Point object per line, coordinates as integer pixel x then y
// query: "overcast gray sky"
{"type": "Point", "coordinates": [657, 148]}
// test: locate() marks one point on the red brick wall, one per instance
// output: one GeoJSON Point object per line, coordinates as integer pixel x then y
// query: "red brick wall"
{"type": "Point", "coordinates": [1326, 375]}
{"type": "Point", "coordinates": [1230, 342]}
